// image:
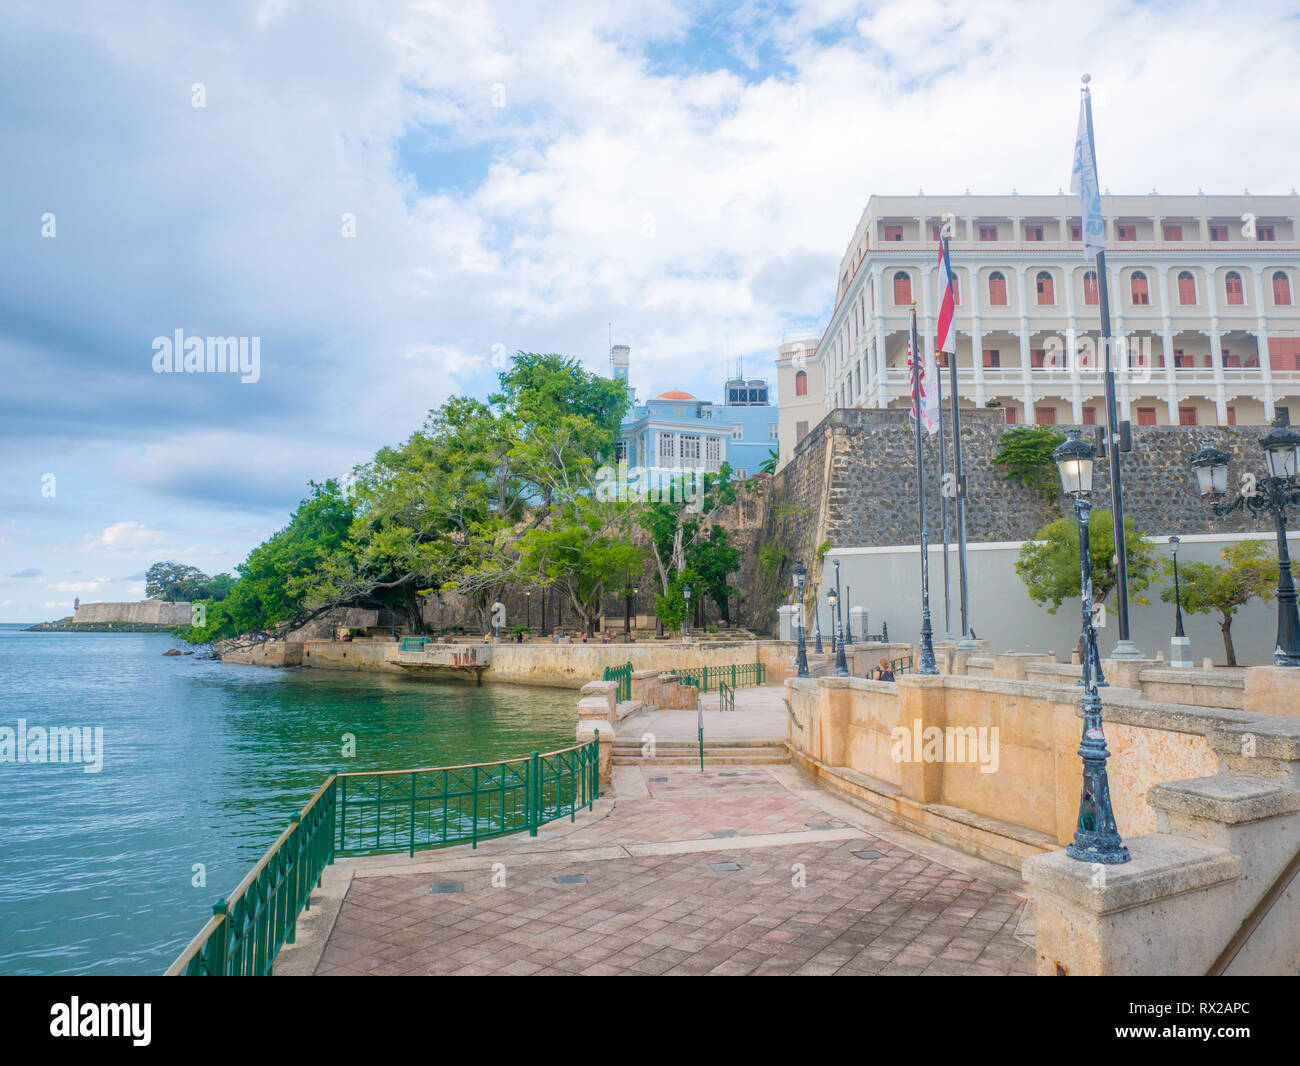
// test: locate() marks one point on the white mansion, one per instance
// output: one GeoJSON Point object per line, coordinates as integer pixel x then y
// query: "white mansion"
{"type": "Point", "coordinates": [1203, 289]}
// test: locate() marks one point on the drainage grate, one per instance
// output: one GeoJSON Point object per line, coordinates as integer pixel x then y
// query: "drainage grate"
{"type": "Point", "coordinates": [722, 832]}
{"type": "Point", "coordinates": [819, 825]}
{"type": "Point", "coordinates": [654, 779]}
{"type": "Point", "coordinates": [447, 886]}
{"type": "Point", "coordinates": [868, 855]}
{"type": "Point", "coordinates": [570, 879]}
{"type": "Point", "coordinates": [732, 773]}
{"type": "Point", "coordinates": [724, 867]}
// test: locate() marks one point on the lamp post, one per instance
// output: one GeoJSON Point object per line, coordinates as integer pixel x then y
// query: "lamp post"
{"type": "Point", "coordinates": [817, 626]}
{"type": "Point", "coordinates": [440, 618]}
{"type": "Point", "coordinates": [627, 614]}
{"type": "Point", "coordinates": [1178, 643]}
{"type": "Point", "coordinates": [801, 655]}
{"type": "Point", "coordinates": [841, 667]}
{"type": "Point", "coordinates": [848, 610]}
{"type": "Point", "coordinates": [686, 618]}
{"type": "Point", "coordinates": [1271, 495]}
{"type": "Point", "coordinates": [528, 610]}
{"type": "Point", "coordinates": [498, 612]}
{"type": "Point", "coordinates": [1096, 838]}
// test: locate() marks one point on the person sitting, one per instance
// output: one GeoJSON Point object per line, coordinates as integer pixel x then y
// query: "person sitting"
{"type": "Point", "coordinates": [608, 637]}
{"type": "Point", "coordinates": [882, 672]}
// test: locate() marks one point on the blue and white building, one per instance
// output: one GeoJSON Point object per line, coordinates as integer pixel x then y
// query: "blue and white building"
{"type": "Point", "coordinates": [676, 431]}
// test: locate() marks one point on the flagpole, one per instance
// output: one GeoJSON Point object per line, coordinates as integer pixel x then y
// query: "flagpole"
{"type": "Point", "coordinates": [965, 642]}
{"type": "Point", "coordinates": [927, 635]}
{"type": "Point", "coordinates": [1125, 647]}
{"type": "Point", "coordinates": [943, 506]}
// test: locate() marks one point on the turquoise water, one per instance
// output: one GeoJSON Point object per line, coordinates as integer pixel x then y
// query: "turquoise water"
{"type": "Point", "coordinates": [203, 763]}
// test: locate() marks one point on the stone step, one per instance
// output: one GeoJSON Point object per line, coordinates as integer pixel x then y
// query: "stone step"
{"type": "Point", "coordinates": [1227, 799]}
{"type": "Point", "coordinates": [709, 760]}
{"type": "Point", "coordinates": [693, 751]}
{"type": "Point", "coordinates": [692, 745]}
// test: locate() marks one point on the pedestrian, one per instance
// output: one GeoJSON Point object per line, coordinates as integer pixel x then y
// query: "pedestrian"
{"type": "Point", "coordinates": [608, 636]}
{"type": "Point", "coordinates": [883, 672]}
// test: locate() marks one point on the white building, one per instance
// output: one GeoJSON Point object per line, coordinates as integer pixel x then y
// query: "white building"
{"type": "Point", "coordinates": [1202, 288]}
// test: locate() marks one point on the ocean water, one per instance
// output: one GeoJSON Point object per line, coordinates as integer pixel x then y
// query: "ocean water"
{"type": "Point", "coordinates": [203, 765]}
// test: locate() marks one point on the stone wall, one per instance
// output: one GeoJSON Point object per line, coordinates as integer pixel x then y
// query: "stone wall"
{"type": "Point", "coordinates": [145, 612]}
{"type": "Point", "coordinates": [852, 482]}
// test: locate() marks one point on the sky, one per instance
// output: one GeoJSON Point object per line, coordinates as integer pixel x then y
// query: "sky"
{"type": "Point", "coordinates": [390, 199]}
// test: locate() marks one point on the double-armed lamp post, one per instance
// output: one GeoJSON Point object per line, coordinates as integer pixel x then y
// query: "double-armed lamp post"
{"type": "Point", "coordinates": [1271, 495]}
{"type": "Point", "coordinates": [686, 618]}
{"type": "Point", "coordinates": [1096, 838]}
{"type": "Point", "coordinates": [801, 655]}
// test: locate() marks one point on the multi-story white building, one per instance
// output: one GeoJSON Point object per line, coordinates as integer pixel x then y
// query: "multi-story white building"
{"type": "Point", "coordinates": [1203, 289]}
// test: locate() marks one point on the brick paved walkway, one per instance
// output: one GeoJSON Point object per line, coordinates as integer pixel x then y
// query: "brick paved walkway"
{"type": "Point", "coordinates": [730, 871]}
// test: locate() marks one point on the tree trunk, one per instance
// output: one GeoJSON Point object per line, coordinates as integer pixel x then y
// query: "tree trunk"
{"type": "Point", "coordinates": [1225, 626]}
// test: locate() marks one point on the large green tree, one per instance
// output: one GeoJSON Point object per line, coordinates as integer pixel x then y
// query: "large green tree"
{"type": "Point", "coordinates": [1251, 572]}
{"type": "Point", "coordinates": [1049, 564]}
{"type": "Point", "coordinates": [276, 582]}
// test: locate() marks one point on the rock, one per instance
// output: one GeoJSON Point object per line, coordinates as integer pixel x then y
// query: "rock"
{"type": "Point", "coordinates": [173, 651]}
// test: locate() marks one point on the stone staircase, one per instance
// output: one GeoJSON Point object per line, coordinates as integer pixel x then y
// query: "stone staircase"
{"type": "Point", "coordinates": [629, 752]}
{"type": "Point", "coordinates": [1215, 867]}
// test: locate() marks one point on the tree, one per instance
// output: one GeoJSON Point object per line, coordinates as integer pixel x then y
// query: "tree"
{"type": "Point", "coordinates": [275, 582]}
{"type": "Point", "coordinates": [1049, 564]}
{"type": "Point", "coordinates": [583, 550]}
{"type": "Point", "coordinates": [1251, 572]}
{"type": "Point", "coordinates": [1025, 454]}
{"type": "Point", "coordinates": [768, 465]}
{"type": "Point", "coordinates": [174, 581]}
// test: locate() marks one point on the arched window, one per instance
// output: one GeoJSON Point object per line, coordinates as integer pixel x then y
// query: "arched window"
{"type": "Point", "coordinates": [1236, 294]}
{"type": "Point", "coordinates": [1138, 288]}
{"type": "Point", "coordinates": [1186, 288]}
{"type": "Point", "coordinates": [902, 289]}
{"type": "Point", "coordinates": [1046, 289]}
{"type": "Point", "coordinates": [801, 383]}
{"type": "Point", "coordinates": [1281, 289]}
{"type": "Point", "coordinates": [1090, 288]}
{"type": "Point", "coordinates": [997, 289]}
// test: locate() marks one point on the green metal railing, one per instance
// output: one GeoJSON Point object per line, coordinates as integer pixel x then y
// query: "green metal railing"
{"type": "Point", "coordinates": [413, 643]}
{"type": "Point", "coordinates": [384, 811]}
{"type": "Point", "coordinates": [726, 697]}
{"type": "Point", "coordinates": [901, 666]}
{"type": "Point", "coordinates": [623, 675]}
{"type": "Point", "coordinates": [706, 678]}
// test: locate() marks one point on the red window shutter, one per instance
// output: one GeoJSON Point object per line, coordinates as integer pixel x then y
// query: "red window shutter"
{"type": "Point", "coordinates": [1232, 415]}
{"type": "Point", "coordinates": [1186, 291]}
{"type": "Point", "coordinates": [1146, 416]}
{"type": "Point", "coordinates": [1076, 233]}
{"type": "Point", "coordinates": [1236, 294]}
{"type": "Point", "coordinates": [1090, 416]}
{"type": "Point", "coordinates": [1173, 233]}
{"type": "Point", "coordinates": [998, 291]}
{"type": "Point", "coordinates": [1187, 416]}
{"type": "Point", "coordinates": [1011, 415]}
{"type": "Point", "coordinates": [902, 290]}
{"type": "Point", "coordinates": [1218, 233]}
{"type": "Point", "coordinates": [992, 357]}
{"type": "Point", "coordinates": [1090, 289]}
{"type": "Point", "coordinates": [1281, 290]}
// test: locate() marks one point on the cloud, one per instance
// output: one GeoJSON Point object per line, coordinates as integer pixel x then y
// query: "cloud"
{"type": "Point", "coordinates": [124, 536]}
{"type": "Point", "coordinates": [26, 575]}
{"type": "Point", "coordinates": [78, 586]}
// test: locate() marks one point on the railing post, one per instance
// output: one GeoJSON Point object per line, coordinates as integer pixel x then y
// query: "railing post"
{"type": "Point", "coordinates": [411, 849]}
{"type": "Point", "coordinates": [293, 882]}
{"type": "Point", "coordinates": [733, 675]}
{"type": "Point", "coordinates": [534, 792]}
{"type": "Point", "coordinates": [219, 941]}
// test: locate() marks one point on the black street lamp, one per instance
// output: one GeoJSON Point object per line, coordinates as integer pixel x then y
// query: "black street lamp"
{"type": "Point", "coordinates": [841, 667]}
{"type": "Point", "coordinates": [1272, 495]}
{"type": "Point", "coordinates": [801, 656]}
{"type": "Point", "coordinates": [498, 612]}
{"type": "Point", "coordinates": [848, 610]}
{"type": "Point", "coordinates": [1178, 644]}
{"type": "Point", "coordinates": [817, 626]}
{"type": "Point", "coordinates": [1096, 837]}
{"type": "Point", "coordinates": [439, 617]}
{"type": "Point", "coordinates": [528, 610]}
{"type": "Point", "coordinates": [627, 614]}
{"type": "Point", "coordinates": [686, 618]}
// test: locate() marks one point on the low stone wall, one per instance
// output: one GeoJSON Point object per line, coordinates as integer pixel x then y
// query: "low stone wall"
{"type": "Point", "coordinates": [275, 653]}
{"type": "Point", "coordinates": [573, 665]}
{"type": "Point", "coordinates": [351, 655]}
{"type": "Point", "coordinates": [986, 763]}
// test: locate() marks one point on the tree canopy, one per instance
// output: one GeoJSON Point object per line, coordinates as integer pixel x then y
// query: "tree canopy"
{"type": "Point", "coordinates": [1049, 564]}
{"type": "Point", "coordinates": [1251, 572]}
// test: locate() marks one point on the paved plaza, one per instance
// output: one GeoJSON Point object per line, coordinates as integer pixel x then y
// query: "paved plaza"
{"type": "Point", "coordinates": [733, 870]}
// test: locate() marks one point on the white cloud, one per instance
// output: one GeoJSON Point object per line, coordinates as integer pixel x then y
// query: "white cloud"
{"type": "Point", "coordinates": [124, 536]}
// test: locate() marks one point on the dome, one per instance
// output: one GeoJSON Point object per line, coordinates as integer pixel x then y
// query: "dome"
{"type": "Point", "coordinates": [674, 394]}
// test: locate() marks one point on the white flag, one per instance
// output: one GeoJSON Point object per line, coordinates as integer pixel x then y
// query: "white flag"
{"type": "Point", "coordinates": [1084, 182]}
